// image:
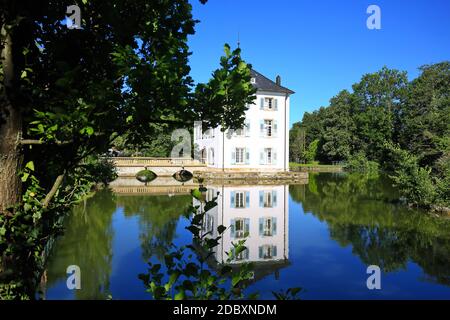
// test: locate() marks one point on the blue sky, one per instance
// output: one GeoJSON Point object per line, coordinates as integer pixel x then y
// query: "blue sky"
{"type": "Point", "coordinates": [320, 47]}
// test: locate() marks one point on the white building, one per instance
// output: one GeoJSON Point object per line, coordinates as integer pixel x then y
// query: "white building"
{"type": "Point", "coordinates": [263, 144]}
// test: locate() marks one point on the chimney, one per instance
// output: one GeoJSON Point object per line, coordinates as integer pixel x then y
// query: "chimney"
{"type": "Point", "coordinates": [278, 80]}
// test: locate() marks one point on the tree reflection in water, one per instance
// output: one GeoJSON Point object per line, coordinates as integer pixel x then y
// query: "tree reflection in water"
{"type": "Point", "coordinates": [382, 233]}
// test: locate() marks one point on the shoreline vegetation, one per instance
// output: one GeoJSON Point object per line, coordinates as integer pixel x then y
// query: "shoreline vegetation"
{"type": "Point", "coordinates": [387, 124]}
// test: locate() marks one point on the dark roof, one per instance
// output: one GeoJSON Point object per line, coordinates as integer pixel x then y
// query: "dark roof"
{"type": "Point", "coordinates": [265, 84]}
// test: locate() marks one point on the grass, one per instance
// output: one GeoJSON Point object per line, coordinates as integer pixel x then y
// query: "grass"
{"type": "Point", "coordinates": [313, 164]}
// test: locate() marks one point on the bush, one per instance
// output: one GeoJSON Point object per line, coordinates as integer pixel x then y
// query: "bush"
{"type": "Point", "coordinates": [145, 175]}
{"type": "Point", "coordinates": [415, 183]}
{"type": "Point", "coordinates": [99, 170]}
{"type": "Point", "coordinates": [360, 163]}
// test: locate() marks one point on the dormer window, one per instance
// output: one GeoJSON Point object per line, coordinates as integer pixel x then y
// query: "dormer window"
{"type": "Point", "coordinates": [252, 80]}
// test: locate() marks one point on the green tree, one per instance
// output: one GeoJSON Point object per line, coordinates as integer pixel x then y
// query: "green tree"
{"type": "Point", "coordinates": [297, 143]}
{"type": "Point", "coordinates": [426, 117]}
{"type": "Point", "coordinates": [70, 92]}
{"type": "Point", "coordinates": [311, 152]}
{"type": "Point", "coordinates": [378, 98]}
{"type": "Point", "coordinates": [336, 144]}
{"type": "Point", "coordinates": [66, 94]}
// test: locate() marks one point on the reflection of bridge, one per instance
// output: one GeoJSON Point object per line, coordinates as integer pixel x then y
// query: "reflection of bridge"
{"type": "Point", "coordinates": [129, 166]}
{"type": "Point", "coordinates": [159, 186]}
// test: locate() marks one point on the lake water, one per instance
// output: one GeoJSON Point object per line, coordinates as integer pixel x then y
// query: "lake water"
{"type": "Point", "coordinates": [319, 236]}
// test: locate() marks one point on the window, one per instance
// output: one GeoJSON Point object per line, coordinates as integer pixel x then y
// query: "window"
{"type": "Point", "coordinates": [267, 227]}
{"type": "Point", "coordinates": [239, 200]}
{"type": "Point", "coordinates": [240, 152]}
{"type": "Point", "coordinates": [253, 80]}
{"type": "Point", "coordinates": [268, 203]}
{"type": "Point", "coordinates": [268, 103]}
{"type": "Point", "coordinates": [268, 126]}
{"type": "Point", "coordinates": [267, 251]}
{"type": "Point", "coordinates": [239, 228]}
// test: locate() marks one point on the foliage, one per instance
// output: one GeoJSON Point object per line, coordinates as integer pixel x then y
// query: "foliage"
{"type": "Point", "coordinates": [311, 152]}
{"type": "Point", "coordinates": [385, 109]}
{"type": "Point", "coordinates": [414, 182]}
{"type": "Point", "coordinates": [123, 74]}
{"type": "Point", "coordinates": [229, 92]}
{"type": "Point", "coordinates": [25, 235]}
{"type": "Point", "coordinates": [297, 144]}
{"type": "Point", "coordinates": [145, 175]}
{"type": "Point", "coordinates": [360, 163]}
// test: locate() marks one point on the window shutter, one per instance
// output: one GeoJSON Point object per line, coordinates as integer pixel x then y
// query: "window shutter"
{"type": "Point", "coordinates": [247, 129]}
{"type": "Point", "coordinates": [233, 157]}
{"type": "Point", "coordinates": [261, 226]}
{"type": "Point", "coordinates": [274, 226]}
{"type": "Point", "coordinates": [274, 251]}
{"type": "Point", "coordinates": [247, 156]}
{"type": "Point", "coordinates": [274, 198]}
{"type": "Point", "coordinates": [275, 128]}
{"type": "Point", "coordinates": [261, 128]}
{"type": "Point", "coordinates": [274, 156]}
{"type": "Point", "coordinates": [261, 198]}
{"type": "Point", "coordinates": [232, 199]}
{"type": "Point", "coordinates": [247, 227]}
{"type": "Point", "coordinates": [260, 252]}
{"type": "Point", "coordinates": [275, 104]}
{"type": "Point", "coordinates": [247, 199]}
{"type": "Point", "coordinates": [261, 107]}
{"type": "Point", "coordinates": [261, 157]}
{"type": "Point", "coordinates": [232, 228]}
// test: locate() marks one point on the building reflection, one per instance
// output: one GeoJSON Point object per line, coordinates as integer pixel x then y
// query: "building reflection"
{"type": "Point", "coordinates": [258, 214]}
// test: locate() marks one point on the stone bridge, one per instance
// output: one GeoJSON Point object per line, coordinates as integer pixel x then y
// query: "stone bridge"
{"type": "Point", "coordinates": [129, 166]}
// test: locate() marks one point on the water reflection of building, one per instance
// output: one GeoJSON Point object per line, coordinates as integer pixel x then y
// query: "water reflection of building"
{"type": "Point", "coordinates": [258, 214]}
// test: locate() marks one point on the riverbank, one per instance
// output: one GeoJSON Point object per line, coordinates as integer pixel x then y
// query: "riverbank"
{"type": "Point", "coordinates": [301, 167]}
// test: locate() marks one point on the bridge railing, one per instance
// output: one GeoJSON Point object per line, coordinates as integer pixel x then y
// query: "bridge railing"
{"type": "Point", "coordinates": [155, 162]}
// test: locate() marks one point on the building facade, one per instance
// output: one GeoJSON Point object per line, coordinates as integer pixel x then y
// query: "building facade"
{"type": "Point", "coordinates": [263, 143]}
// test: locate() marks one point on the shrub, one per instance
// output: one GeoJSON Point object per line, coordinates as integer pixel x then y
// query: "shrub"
{"type": "Point", "coordinates": [359, 163]}
{"type": "Point", "coordinates": [415, 183]}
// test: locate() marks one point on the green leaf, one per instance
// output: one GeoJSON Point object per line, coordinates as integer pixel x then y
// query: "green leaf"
{"type": "Point", "coordinates": [30, 165]}
{"type": "Point", "coordinates": [196, 194]}
{"type": "Point", "coordinates": [25, 177]}
{"type": "Point", "coordinates": [180, 295]}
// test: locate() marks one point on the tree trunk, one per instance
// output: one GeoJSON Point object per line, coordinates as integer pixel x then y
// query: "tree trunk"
{"type": "Point", "coordinates": [10, 131]}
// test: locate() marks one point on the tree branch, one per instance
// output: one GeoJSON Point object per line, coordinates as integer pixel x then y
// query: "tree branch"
{"type": "Point", "coordinates": [59, 180]}
{"type": "Point", "coordinates": [34, 141]}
